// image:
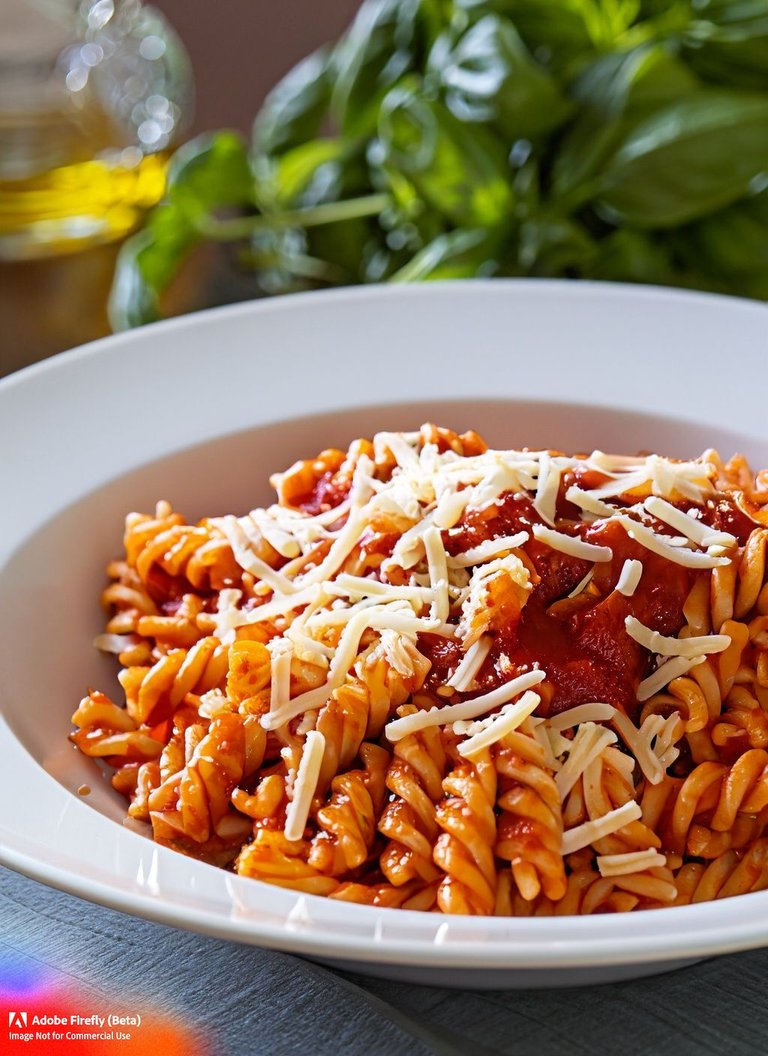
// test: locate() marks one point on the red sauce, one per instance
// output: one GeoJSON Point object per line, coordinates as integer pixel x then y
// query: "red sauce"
{"type": "Point", "coordinates": [329, 492]}
{"type": "Point", "coordinates": [582, 644]}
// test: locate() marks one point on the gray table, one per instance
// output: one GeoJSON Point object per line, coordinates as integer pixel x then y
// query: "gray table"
{"type": "Point", "coordinates": [251, 1001]}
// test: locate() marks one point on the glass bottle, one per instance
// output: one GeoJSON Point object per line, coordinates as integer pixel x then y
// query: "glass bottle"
{"type": "Point", "coordinates": [92, 96]}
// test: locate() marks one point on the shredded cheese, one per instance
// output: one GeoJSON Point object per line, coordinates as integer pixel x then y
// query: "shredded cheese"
{"type": "Point", "coordinates": [631, 862]}
{"type": "Point", "coordinates": [663, 675]}
{"type": "Point", "coordinates": [488, 550]}
{"type": "Point", "coordinates": [652, 758]}
{"type": "Point", "coordinates": [692, 529]}
{"type": "Point", "coordinates": [589, 831]}
{"type": "Point", "coordinates": [594, 712]}
{"type": "Point", "coordinates": [629, 577]}
{"type": "Point", "coordinates": [586, 746]}
{"type": "Point", "coordinates": [658, 544]}
{"type": "Point", "coordinates": [468, 709]}
{"type": "Point", "coordinates": [588, 503]}
{"type": "Point", "coordinates": [438, 572]}
{"type": "Point", "coordinates": [548, 485]}
{"type": "Point", "coordinates": [582, 584]}
{"type": "Point", "coordinates": [280, 653]}
{"type": "Point", "coordinates": [304, 785]}
{"type": "Point", "coordinates": [241, 548]}
{"type": "Point", "coordinates": [696, 645]}
{"type": "Point", "coordinates": [510, 717]}
{"type": "Point", "coordinates": [566, 544]}
{"type": "Point", "coordinates": [474, 658]}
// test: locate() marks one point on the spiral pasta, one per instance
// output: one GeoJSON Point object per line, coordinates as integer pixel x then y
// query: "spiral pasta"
{"type": "Point", "coordinates": [442, 677]}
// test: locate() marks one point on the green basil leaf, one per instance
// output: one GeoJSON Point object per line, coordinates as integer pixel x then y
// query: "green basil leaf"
{"type": "Point", "coordinates": [731, 242]}
{"type": "Point", "coordinates": [206, 174]}
{"type": "Point", "coordinates": [727, 42]}
{"type": "Point", "coordinates": [298, 169]}
{"type": "Point", "coordinates": [460, 254]}
{"type": "Point", "coordinates": [295, 108]}
{"type": "Point", "coordinates": [688, 159]}
{"type": "Point", "coordinates": [488, 75]}
{"type": "Point", "coordinates": [379, 48]}
{"type": "Point", "coordinates": [632, 256]}
{"type": "Point", "coordinates": [550, 246]}
{"type": "Point", "coordinates": [560, 32]}
{"type": "Point", "coordinates": [210, 172]}
{"type": "Point", "coordinates": [616, 92]}
{"type": "Point", "coordinates": [458, 170]}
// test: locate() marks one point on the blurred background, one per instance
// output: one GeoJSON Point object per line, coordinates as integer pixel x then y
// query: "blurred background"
{"type": "Point", "coordinates": [235, 70]}
{"type": "Point", "coordinates": [393, 141]}
{"type": "Point", "coordinates": [57, 301]}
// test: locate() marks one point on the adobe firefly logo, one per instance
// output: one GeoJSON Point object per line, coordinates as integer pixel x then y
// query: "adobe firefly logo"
{"type": "Point", "coordinates": [17, 1020]}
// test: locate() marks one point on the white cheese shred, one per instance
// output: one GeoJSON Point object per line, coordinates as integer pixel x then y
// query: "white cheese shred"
{"type": "Point", "coordinates": [663, 675]}
{"type": "Point", "coordinates": [692, 529]}
{"type": "Point", "coordinates": [474, 658]}
{"type": "Point", "coordinates": [468, 709]}
{"type": "Point", "coordinates": [566, 544]}
{"type": "Point", "coordinates": [304, 785]}
{"type": "Point", "coordinates": [280, 651]}
{"type": "Point", "coordinates": [629, 577]}
{"type": "Point", "coordinates": [593, 712]}
{"type": "Point", "coordinates": [585, 834]}
{"type": "Point", "coordinates": [640, 742]}
{"type": "Point", "coordinates": [586, 746]}
{"type": "Point", "coordinates": [509, 718]}
{"type": "Point", "coordinates": [438, 572]}
{"type": "Point", "coordinates": [698, 645]}
{"type": "Point", "coordinates": [660, 545]}
{"type": "Point", "coordinates": [631, 862]}
{"type": "Point", "coordinates": [488, 550]}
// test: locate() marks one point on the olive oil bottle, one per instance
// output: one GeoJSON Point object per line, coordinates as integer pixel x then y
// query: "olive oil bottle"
{"type": "Point", "coordinates": [91, 99]}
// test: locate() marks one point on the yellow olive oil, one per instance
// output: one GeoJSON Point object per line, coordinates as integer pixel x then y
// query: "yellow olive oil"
{"type": "Point", "coordinates": [79, 204]}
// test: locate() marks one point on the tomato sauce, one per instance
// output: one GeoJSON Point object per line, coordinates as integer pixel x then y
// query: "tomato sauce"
{"type": "Point", "coordinates": [581, 643]}
{"type": "Point", "coordinates": [329, 491]}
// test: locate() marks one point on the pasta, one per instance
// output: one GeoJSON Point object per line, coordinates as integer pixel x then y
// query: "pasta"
{"type": "Point", "coordinates": [440, 677]}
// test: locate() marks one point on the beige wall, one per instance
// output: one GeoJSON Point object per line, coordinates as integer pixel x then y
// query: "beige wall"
{"type": "Point", "coordinates": [240, 48]}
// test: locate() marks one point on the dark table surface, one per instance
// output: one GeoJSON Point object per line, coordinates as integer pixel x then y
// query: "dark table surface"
{"type": "Point", "coordinates": [225, 999]}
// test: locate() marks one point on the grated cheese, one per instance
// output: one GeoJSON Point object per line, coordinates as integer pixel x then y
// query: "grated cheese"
{"type": "Point", "coordinates": [696, 645]}
{"type": "Point", "coordinates": [629, 577]}
{"type": "Point", "coordinates": [450, 508]}
{"type": "Point", "coordinates": [509, 718]}
{"type": "Point", "coordinates": [589, 831]}
{"type": "Point", "coordinates": [596, 712]}
{"type": "Point", "coordinates": [280, 654]}
{"type": "Point", "coordinates": [652, 759]}
{"type": "Point", "coordinates": [548, 485]}
{"type": "Point", "coordinates": [566, 544]}
{"type": "Point", "coordinates": [657, 544]}
{"type": "Point", "coordinates": [438, 572]}
{"type": "Point", "coordinates": [489, 549]}
{"type": "Point", "coordinates": [304, 785]}
{"type": "Point", "coordinates": [631, 862]}
{"type": "Point", "coordinates": [692, 529]}
{"type": "Point", "coordinates": [582, 584]}
{"type": "Point", "coordinates": [259, 522]}
{"type": "Point", "coordinates": [228, 617]}
{"type": "Point", "coordinates": [663, 675]}
{"type": "Point", "coordinates": [588, 503]}
{"type": "Point", "coordinates": [248, 561]}
{"type": "Point", "coordinates": [467, 709]}
{"type": "Point", "coordinates": [464, 675]}
{"type": "Point", "coordinates": [587, 745]}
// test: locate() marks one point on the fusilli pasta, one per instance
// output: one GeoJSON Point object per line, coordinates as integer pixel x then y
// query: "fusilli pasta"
{"type": "Point", "coordinates": [442, 677]}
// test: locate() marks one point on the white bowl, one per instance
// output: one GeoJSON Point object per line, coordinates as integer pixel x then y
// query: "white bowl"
{"type": "Point", "coordinates": [200, 410]}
